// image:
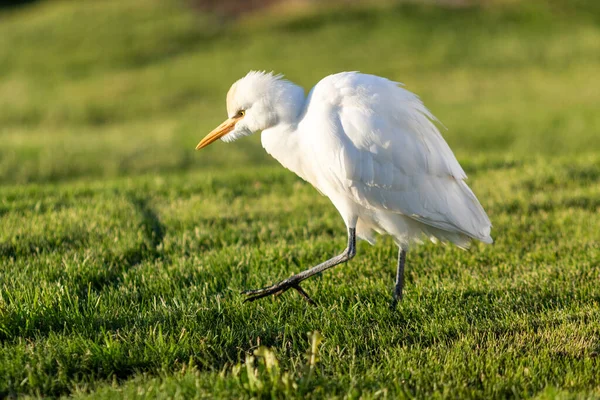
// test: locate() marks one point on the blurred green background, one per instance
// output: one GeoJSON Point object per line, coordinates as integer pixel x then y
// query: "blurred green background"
{"type": "Point", "coordinates": [97, 89]}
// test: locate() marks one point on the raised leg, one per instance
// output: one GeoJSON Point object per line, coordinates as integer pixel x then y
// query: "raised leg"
{"type": "Point", "coordinates": [399, 278]}
{"type": "Point", "coordinates": [294, 281]}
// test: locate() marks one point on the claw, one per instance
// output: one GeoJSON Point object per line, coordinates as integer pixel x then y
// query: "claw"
{"type": "Point", "coordinates": [305, 295]}
{"type": "Point", "coordinates": [276, 290]}
{"type": "Point", "coordinates": [264, 292]}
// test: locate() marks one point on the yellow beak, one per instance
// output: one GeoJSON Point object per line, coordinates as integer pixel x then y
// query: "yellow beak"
{"type": "Point", "coordinates": [220, 131]}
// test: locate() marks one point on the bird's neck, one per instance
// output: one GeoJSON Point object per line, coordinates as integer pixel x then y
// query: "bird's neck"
{"type": "Point", "coordinates": [282, 142]}
{"type": "Point", "coordinates": [289, 102]}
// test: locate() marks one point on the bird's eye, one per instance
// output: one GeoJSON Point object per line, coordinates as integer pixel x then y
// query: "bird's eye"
{"type": "Point", "coordinates": [241, 113]}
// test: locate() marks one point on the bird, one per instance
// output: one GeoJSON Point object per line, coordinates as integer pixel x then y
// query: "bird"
{"type": "Point", "coordinates": [373, 148]}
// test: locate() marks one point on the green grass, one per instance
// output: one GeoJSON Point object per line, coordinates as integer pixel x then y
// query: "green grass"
{"type": "Point", "coordinates": [123, 251]}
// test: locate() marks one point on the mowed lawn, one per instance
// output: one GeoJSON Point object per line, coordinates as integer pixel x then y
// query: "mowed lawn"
{"type": "Point", "coordinates": [123, 252]}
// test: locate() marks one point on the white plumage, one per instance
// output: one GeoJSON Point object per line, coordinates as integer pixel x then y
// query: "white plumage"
{"type": "Point", "coordinates": [369, 145]}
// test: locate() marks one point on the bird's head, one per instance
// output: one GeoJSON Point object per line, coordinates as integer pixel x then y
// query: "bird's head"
{"type": "Point", "coordinates": [258, 101]}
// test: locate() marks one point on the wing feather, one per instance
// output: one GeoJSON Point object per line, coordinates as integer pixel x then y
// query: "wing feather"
{"type": "Point", "coordinates": [392, 156]}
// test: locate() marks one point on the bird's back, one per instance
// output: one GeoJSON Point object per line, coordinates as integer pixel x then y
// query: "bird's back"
{"type": "Point", "coordinates": [376, 142]}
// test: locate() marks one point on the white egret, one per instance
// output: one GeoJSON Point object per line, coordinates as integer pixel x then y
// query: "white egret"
{"type": "Point", "coordinates": [370, 146]}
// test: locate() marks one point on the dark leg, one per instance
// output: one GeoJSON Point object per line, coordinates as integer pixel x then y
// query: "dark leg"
{"type": "Point", "coordinates": [294, 281]}
{"type": "Point", "coordinates": [399, 278]}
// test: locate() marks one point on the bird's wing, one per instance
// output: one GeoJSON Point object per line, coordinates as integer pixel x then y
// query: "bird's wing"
{"type": "Point", "coordinates": [383, 149]}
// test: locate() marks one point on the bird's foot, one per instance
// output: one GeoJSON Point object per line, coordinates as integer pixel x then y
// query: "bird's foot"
{"type": "Point", "coordinates": [276, 290]}
{"type": "Point", "coordinates": [395, 300]}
